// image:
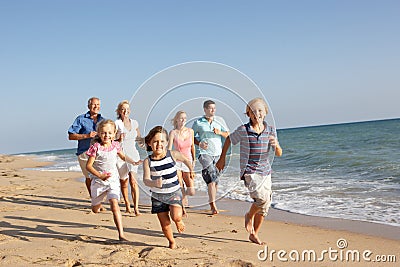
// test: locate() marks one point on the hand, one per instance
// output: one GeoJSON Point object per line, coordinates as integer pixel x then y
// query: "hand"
{"type": "Point", "coordinates": [217, 131]}
{"type": "Point", "coordinates": [220, 165]}
{"type": "Point", "coordinates": [138, 162]}
{"type": "Point", "coordinates": [203, 145]}
{"type": "Point", "coordinates": [273, 141]}
{"type": "Point", "coordinates": [105, 175]}
{"type": "Point", "coordinates": [92, 134]}
{"type": "Point", "coordinates": [191, 175]}
{"type": "Point", "coordinates": [158, 183]}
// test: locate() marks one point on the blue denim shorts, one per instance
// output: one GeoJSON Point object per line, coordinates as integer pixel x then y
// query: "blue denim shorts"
{"type": "Point", "coordinates": [161, 202]}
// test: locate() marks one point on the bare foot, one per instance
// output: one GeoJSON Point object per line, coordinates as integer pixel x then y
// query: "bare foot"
{"type": "Point", "coordinates": [214, 211]}
{"type": "Point", "coordinates": [254, 238]}
{"type": "Point", "coordinates": [180, 226]}
{"type": "Point", "coordinates": [248, 223]}
{"type": "Point", "coordinates": [137, 213]}
{"type": "Point", "coordinates": [128, 210]}
{"type": "Point", "coordinates": [172, 245]}
{"type": "Point", "coordinates": [122, 239]}
{"type": "Point", "coordinates": [102, 209]}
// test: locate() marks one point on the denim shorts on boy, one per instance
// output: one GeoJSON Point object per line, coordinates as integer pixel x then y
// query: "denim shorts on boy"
{"type": "Point", "coordinates": [210, 173]}
{"type": "Point", "coordinates": [259, 187]}
{"type": "Point", "coordinates": [161, 202]}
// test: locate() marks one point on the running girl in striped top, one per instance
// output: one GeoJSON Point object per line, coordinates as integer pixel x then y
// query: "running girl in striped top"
{"type": "Point", "coordinates": [160, 174]}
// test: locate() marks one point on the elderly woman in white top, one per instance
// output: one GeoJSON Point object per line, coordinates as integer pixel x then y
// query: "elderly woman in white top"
{"type": "Point", "coordinates": [127, 132]}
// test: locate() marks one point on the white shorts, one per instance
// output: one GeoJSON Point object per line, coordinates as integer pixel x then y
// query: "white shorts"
{"type": "Point", "coordinates": [124, 169]}
{"type": "Point", "coordinates": [82, 159]}
{"type": "Point", "coordinates": [100, 190]}
{"type": "Point", "coordinates": [180, 166]}
{"type": "Point", "coordinates": [260, 190]}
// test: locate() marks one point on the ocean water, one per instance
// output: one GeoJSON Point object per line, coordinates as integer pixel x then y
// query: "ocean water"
{"type": "Point", "coordinates": [348, 171]}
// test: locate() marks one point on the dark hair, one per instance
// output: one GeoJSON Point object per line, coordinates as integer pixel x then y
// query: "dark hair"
{"type": "Point", "coordinates": [152, 133]}
{"type": "Point", "coordinates": [207, 103]}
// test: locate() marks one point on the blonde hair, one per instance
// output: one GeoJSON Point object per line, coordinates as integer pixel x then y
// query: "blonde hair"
{"type": "Point", "coordinates": [123, 102]}
{"type": "Point", "coordinates": [255, 100]}
{"type": "Point", "coordinates": [174, 121]}
{"type": "Point", "coordinates": [99, 126]}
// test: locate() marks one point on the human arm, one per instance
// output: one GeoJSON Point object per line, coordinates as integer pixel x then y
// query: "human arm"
{"type": "Point", "coordinates": [221, 161]}
{"type": "Point", "coordinates": [77, 136]}
{"type": "Point", "coordinates": [171, 139]}
{"type": "Point", "coordinates": [128, 159]}
{"type": "Point", "coordinates": [89, 166]}
{"type": "Point", "coordinates": [275, 145]}
{"type": "Point", "coordinates": [80, 129]}
{"type": "Point", "coordinates": [193, 149]}
{"type": "Point", "coordinates": [222, 133]}
{"type": "Point", "coordinates": [176, 155]}
{"type": "Point", "coordinates": [147, 176]}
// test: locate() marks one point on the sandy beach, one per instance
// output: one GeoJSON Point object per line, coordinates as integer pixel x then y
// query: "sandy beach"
{"type": "Point", "coordinates": [46, 221]}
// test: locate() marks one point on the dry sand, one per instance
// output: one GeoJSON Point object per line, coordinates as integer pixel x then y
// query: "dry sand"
{"type": "Point", "coordinates": [46, 221]}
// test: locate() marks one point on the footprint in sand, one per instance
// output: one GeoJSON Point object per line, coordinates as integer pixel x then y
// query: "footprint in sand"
{"type": "Point", "coordinates": [84, 238]}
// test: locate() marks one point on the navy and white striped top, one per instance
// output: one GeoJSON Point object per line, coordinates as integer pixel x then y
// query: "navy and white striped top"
{"type": "Point", "coordinates": [254, 149]}
{"type": "Point", "coordinates": [164, 168]}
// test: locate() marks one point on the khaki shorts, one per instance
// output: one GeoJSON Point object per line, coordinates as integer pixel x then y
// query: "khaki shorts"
{"type": "Point", "coordinates": [260, 190]}
{"type": "Point", "coordinates": [83, 158]}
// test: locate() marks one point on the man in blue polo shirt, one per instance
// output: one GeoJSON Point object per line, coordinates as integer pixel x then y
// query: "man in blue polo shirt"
{"type": "Point", "coordinates": [209, 133]}
{"type": "Point", "coordinates": [83, 129]}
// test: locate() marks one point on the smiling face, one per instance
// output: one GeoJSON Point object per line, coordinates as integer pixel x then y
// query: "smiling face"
{"type": "Point", "coordinates": [181, 120]}
{"type": "Point", "coordinates": [257, 112]}
{"type": "Point", "coordinates": [158, 144]}
{"type": "Point", "coordinates": [94, 106]}
{"type": "Point", "coordinates": [107, 133]}
{"type": "Point", "coordinates": [209, 111]}
{"type": "Point", "coordinates": [124, 111]}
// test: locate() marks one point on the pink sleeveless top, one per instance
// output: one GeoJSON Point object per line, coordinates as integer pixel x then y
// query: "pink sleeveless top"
{"type": "Point", "coordinates": [184, 146]}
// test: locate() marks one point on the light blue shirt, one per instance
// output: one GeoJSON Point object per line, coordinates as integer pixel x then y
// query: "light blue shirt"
{"type": "Point", "coordinates": [204, 132]}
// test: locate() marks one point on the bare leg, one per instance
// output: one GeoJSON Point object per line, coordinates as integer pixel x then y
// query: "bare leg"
{"type": "Point", "coordinates": [176, 216]}
{"type": "Point", "coordinates": [125, 194]}
{"type": "Point", "coordinates": [184, 199]}
{"type": "Point", "coordinates": [134, 192]}
{"type": "Point", "coordinates": [117, 218]}
{"type": "Point", "coordinates": [212, 193]}
{"type": "Point", "coordinates": [165, 222]}
{"type": "Point", "coordinates": [88, 183]}
{"type": "Point", "coordinates": [189, 184]}
{"type": "Point", "coordinates": [253, 221]}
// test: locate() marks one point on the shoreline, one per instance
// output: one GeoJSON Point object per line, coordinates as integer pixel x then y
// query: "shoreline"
{"type": "Point", "coordinates": [46, 221]}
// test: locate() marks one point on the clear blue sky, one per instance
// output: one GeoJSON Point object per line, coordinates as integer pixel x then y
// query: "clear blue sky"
{"type": "Point", "coordinates": [317, 62]}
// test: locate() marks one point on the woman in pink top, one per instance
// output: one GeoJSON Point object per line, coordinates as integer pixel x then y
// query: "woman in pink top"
{"type": "Point", "coordinates": [182, 138]}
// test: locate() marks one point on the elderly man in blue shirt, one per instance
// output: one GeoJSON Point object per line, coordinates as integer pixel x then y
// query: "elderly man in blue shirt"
{"type": "Point", "coordinates": [83, 129]}
{"type": "Point", "coordinates": [209, 132]}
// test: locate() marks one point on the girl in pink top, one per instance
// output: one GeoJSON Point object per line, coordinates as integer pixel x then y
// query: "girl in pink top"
{"type": "Point", "coordinates": [102, 168]}
{"type": "Point", "coordinates": [182, 138]}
